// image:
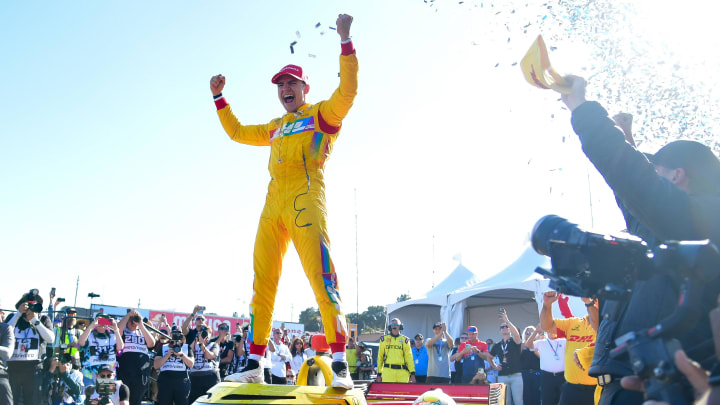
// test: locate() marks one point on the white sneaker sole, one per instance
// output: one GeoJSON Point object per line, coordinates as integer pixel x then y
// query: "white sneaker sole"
{"type": "Point", "coordinates": [246, 377]}
{"type": "Point", "coordinates": [344, 383]}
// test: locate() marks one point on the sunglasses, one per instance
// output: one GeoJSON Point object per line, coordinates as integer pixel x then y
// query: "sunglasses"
{"type": "Point", "coordinates": [278, 333]}
{"type": "Point", "coordinates": [105, 375]}
{"type": "Point", "coordinates": [504, 327]}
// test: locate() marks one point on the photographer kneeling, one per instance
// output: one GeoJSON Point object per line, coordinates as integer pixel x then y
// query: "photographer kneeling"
{"type": "Point", "coordinates": [173, 362]}
{"type": "Point", "coordinates": [67, 383]}
{"type": "Point", "coordinates": [107, 390]}
{"type": "Point", "coordinates": [673, 196]}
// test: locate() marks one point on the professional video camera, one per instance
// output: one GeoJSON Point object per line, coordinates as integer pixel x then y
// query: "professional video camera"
{"type": "Point", "coordinates": [204, 332]}
{"type": "Point", "coordinates": [105, 388]}
{"type": "Point", "coordinates": [587, 264]}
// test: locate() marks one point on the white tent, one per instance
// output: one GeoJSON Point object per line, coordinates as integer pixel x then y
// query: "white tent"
{"type": "Point", "coordinates": [517, 288]}
{"type": "Point", "coordinates": [423, 312]}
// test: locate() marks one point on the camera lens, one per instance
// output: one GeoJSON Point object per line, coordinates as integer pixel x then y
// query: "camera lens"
{"type": "Point", "coordinates": [549, 228]}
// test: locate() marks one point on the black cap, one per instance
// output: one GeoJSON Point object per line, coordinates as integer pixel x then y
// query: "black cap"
{"type": "Point", "coordinates": [106, 367]}
{"type": "Point", "coordinates": [437, 325]}
{"type": "Point", "coordinates": [419, 336]}
{"type": "Point", "coordinates": [699, 162]}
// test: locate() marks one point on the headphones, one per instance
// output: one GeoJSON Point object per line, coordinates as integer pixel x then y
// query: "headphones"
{"type": "Point", "coordinates": [389, 327]}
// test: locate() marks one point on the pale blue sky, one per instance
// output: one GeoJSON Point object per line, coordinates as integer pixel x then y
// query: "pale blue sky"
{"type": "Point", "coordinates": [114, 167]}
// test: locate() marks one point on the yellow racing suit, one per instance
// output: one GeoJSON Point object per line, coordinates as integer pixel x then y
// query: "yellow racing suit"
{"type": "Point", "coordinates": [395, 360]}
{"type": "Point", "coordinates": [300, 143]}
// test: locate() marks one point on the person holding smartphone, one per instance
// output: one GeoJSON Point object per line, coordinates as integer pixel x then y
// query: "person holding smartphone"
{"type": "Point", "coordinates": [101, 342]}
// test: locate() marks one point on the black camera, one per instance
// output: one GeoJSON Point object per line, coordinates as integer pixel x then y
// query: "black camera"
{"type": "Point", "coordinates": [203, 332]}
{"type": "Point", "coordinates": [176, 342]}
{"type": "Point", "coordinates": [587, 264]}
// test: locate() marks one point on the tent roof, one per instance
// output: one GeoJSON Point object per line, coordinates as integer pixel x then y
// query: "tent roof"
{"type": "Point", "coordinates": [518, 275]}
{"type": "Point", "coordinates": [459, 278]}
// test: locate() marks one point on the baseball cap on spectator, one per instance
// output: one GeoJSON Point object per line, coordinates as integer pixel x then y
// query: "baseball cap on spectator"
{"type": "Point", "coordinates": [472, 329]}
{"type": "Point", "coordinates": [699, 162]}
{"type": "Point", "coordinates": [419, 336]}
{"type": "Point", "coordinates": [106, 367]}
{"type": "Point", "coordinates": [437, 325]}
{"type": "Point", "coordinates": [223, 326]}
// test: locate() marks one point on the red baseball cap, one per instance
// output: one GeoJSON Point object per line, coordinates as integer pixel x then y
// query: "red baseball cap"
{"type": "Point", "coordinates": [291, 70]}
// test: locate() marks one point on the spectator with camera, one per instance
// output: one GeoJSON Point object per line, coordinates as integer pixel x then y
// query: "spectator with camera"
{"type": "Point", "coordinates": [174, 359]}
{"type": "Point", "coordinates": [106, 389]}
{"type": "Point", "coordinates": [472, 353]}
{"type": "Point", "coordinates": [508, 350]}
{"type": "Point", "coordinates": [67, 337]}
{"type": "Point", "coordinates": [395, 361]}
{"type": "Point", "coordinates": [32, 335]}
{"type": "Point", "coordinates": [134, 363]}
{"type": "Point", "coordinates": [227, 348]}
{"type": "Point", "coordinates": [439, 347]}
{"type": "Point", "coordinates": [279, 355]}
{"type": "Point", "coordinates": [673, 195]}
{"type": "Point", "coordinates": [239, 355]}
{"type": "Point", "coordinates": [66, 383]}
{"type": "Point", "coordinates": [7, 345]}
{"type": "Point", "coordinates": [205, 372]}
{"type": "Point", "coordinates": [100, 341]}
{"type": "Point", "coordinates": [191, 334]}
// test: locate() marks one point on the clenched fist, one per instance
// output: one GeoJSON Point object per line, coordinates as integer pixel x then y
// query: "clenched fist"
{"type": "Point", "coordinates": [217, 84]}
{"type": "Point", "coordinates": [343, 23]}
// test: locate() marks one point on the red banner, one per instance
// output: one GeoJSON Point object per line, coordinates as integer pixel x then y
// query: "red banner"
{"type": "Point", "coordinates": [213, 321]}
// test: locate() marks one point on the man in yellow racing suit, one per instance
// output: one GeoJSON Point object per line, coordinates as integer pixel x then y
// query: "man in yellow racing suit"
{"type": "Point", "coordinates": [395, 359]}
{"type": "Point", "coordinates": [300, 143]}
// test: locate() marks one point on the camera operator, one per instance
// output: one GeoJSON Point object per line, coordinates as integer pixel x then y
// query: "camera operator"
{"type": "Point", "coordinates": [31, 338]}
{"type": "Point", "coordinates": [101, 345]}
{"type": "Point", "coordinates": [204, 373]}
{"type": "Point", "coordinates": [67, 337]}
{"type": "Point", "coordinates": [67, 383]}
{"type": "Point", "coordinates": [7, 344]}
{"type": "Point", "coordinates": [107, 390]}
{"type": "Point", "coordinates": [134, 363]}
{"type": "Point", "coordinates": [174, 359]}
{"type": "Point", "coordinates": [227, 348]}
{"type": "Point", "coordinates": [674, 196]}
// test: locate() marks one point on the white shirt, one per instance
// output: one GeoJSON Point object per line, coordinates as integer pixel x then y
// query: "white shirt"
{"type": "Point", "coordinates": [278, 363]}
{"type": "Point", "coordinates": [552, 354]}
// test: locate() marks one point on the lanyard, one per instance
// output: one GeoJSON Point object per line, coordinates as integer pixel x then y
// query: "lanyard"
{"type": "Point", "coordinates": [557, 345]}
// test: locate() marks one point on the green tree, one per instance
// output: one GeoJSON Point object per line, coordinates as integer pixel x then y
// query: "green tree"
{"type": "Point", "coordinates": [403, 297]}
{"type": "Point", "coordinates": [308, 317]}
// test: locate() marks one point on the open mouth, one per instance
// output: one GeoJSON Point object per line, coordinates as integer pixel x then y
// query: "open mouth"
{"type": "Point", "coordinates": [288, 99]}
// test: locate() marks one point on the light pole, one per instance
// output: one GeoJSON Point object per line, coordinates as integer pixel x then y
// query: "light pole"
{"type": "Point", "coordinates": [92, 296]}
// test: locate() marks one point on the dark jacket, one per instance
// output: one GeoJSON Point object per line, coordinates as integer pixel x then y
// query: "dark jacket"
{"type": "Point", "coordinates": [655, 210]}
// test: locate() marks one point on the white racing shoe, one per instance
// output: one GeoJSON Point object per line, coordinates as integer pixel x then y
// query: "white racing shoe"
{"type": "Point", "coordinates": [341, 375]}
{"type": "Point", "coordinates": [252, 373]}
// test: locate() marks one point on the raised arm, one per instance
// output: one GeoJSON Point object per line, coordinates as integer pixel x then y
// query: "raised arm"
{"type": "Point", "coordinates": [546, 318]}
{"type": "Point", "coordinates": [258, 135]}
{"type": "Point", "coordinates": [336, 108]}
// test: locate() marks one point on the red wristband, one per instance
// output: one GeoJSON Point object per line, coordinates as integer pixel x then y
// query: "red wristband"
{"type": "Point", "coordinates": [221, 103]}
{"type": "Point", "coordinates": [347, 48]}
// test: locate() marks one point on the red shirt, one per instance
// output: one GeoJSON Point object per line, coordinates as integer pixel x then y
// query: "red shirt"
{"type": "Point", "coordinates": [478, 343]}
